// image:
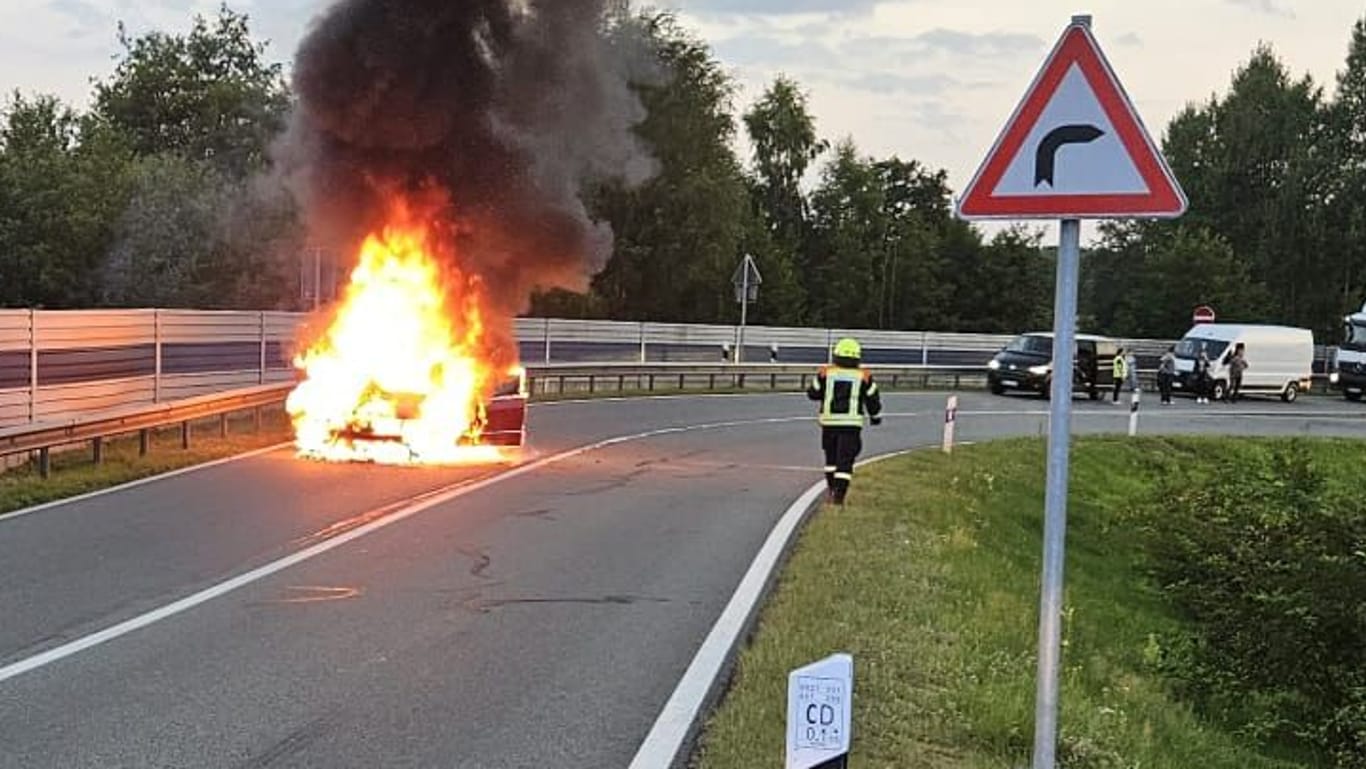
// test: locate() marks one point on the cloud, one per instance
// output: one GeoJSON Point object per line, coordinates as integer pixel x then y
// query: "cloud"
{"type": "Point", "coordinates": [88, 18]}
{"type": "Point", "coordinates": [950, 42]}
{"type": "Point", "coordinates": [888, 82]}
{"type": "Point", "coordinates": [751, 50]}
{"type": "Point", "coordinates": [1130, 39]}
{"type": "Point", "coordinates": [931, 114]}
{"type": "Point", "coordinates": [1269, 7]}
{"type": "Point", "coordinates": [780, 7]}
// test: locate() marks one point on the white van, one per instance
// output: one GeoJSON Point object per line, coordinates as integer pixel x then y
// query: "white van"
{"type": "Point", "coordinates": [1280, 359]}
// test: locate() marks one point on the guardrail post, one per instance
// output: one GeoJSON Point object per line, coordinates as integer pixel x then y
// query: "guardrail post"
{"type": "Point", "coordinates": [32, 365]}
{"type": "Point", "coordinates": [185, 434]}
{"type": "Point", "coordinates": [643, 357]}
{"type": "Point", "coordinates": [45, 462]}
{"type": "Point", "coordinates": [711, 382]}
{"type": "Point", "coordinates": [652, 383]}
{"type": "Point", "coordinates": [97, 450]}
{"type": "Point", "coordinates": [924, 348]}
{"type": "Point", "coordinates": [156, 344]}
{"type": "Point", "coordinates": [546, 338]}
{"type": "Point", "coordinates": [223, 425]}
{"type": "Point", "coordinates": [256, 419]}
{"type": "Point", "coordinates": [144, 442]}
{"type": "Point", "coordinates": [592, 384]}
{"type": "Point", "coordinates": [261, 369]}
{"type": "Point", "coordinates": [621, 382]}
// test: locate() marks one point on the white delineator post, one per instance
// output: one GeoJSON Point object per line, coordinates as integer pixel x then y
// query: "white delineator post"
{"type": "Point", "coordinates": [950, 422]}
{"type": "Point", "coordinates": [1133, 412]}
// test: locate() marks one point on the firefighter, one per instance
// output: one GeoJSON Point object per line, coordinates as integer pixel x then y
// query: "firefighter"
{"type": "Point", "coordinates": [846, 392]}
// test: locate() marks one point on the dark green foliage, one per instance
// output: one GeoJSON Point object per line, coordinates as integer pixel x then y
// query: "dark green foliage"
{"type": "Point", "coordinates": [1267, 560]}
{"type": "Point", "coordinates": [154, 197]}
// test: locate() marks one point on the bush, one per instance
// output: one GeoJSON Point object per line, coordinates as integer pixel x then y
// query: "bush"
{"type": "Point", "coordinates": [1268, 562]}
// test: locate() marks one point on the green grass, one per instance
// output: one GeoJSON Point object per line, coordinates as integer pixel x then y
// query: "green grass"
{"type": "Point", "coordinates": [74, 472]}
{"type": "Point", "coordinates": [930, 579]}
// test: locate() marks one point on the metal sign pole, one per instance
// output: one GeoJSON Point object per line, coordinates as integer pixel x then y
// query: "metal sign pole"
{"type": "Point", "coordinates": [1055, 499]}
{"type": "Point", "coordinates": [744, 308]}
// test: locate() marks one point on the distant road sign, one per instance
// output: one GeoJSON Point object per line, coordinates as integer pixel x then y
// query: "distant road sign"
{"type": "Point", "coordinates": [1203, 314]}
{"type": "Point", "coordinates": [1074, 149]}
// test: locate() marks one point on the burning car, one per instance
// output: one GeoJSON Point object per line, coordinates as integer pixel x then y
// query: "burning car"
{"type": "Point", "coordinates": [406, 369]}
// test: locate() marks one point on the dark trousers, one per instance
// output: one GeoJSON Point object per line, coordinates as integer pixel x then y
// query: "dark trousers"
{"type": "Point", "coordinates": [1164, 385]}
{"type": "Point", "coordinates": [842, 446]}
{"type": "Point", "coordinates": [1119, 383]}
{"type": "Point", "coordinates": [1235, 387]}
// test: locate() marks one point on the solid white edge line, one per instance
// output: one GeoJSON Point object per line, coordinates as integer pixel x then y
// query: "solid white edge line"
{"type": "Point", "coordinates": [20, 513]}
{"type": "Point", "coordinates": [681, 718]}
{"type": "Point", "coordinates": [242, 580]}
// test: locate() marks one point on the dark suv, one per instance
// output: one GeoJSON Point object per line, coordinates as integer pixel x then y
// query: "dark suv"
{"type": "Point", "coordinates": [1027, 364]}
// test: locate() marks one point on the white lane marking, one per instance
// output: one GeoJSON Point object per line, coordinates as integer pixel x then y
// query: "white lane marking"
{"type": "Point", "coordinates": [426, 502]}
{"type": "Point", "coordinates": [680, 717]}
{"type": "Point", "coordinates": [1155, 413]}
{"type": "Point", "coordinates": [140, 482]}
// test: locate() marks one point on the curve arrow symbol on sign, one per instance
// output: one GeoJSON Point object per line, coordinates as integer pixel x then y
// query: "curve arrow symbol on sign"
{"type": "Point", "coordinates": [1046, 156]}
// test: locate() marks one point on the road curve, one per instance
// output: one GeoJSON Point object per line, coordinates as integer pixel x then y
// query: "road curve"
{"type": "Point", "coordinates": [540, 620]}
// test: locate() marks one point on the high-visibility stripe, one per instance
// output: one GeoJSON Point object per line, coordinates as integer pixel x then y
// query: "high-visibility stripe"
{"type": "Point", "coordinates": [850, 417]}
{"type": "Point", "coordinates": [845, 476]}
{"type": "Point", "coordinates": [829, 468]}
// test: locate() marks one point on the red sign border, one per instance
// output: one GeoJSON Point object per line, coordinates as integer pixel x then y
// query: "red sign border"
{"type": "Point", "coordinates": [1076, 46]}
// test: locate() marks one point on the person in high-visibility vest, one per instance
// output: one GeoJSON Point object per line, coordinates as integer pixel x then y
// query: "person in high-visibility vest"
{"type": "Point", "coordinates": [846, 393]}
{"type": "Point", "coordinates": [1120, 370]}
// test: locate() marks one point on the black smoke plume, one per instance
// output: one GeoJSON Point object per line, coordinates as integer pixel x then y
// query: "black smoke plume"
{"type": "Point", "coordinates": [501, 110]}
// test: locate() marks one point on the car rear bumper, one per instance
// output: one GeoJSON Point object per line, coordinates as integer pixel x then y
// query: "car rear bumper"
{"type": "Point", "coordinates": [1016, 380]}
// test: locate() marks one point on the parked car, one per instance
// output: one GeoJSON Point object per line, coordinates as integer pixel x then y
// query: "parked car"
{"type": "Point", "coordinates": [1026, 364]}
{"type": "Point", "coordinates": [1280, 358]}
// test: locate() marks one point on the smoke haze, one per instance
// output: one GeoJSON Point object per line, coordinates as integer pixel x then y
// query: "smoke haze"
{"type": "Point", "coordinates": [497, 110]}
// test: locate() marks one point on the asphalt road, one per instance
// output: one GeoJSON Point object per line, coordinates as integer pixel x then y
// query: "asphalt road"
{"type": "Point", "coordinates": [537, 621]}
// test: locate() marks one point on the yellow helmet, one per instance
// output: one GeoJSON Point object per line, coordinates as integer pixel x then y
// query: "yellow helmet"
{"type": "Point", "coordinates": [848, 348]}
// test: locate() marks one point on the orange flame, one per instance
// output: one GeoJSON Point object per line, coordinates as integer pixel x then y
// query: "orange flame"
{"type": "Point", "coordinates": [398, 377]}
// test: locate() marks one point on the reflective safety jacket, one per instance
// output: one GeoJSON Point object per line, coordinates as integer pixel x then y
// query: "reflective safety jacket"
{"type": "Point", "coordinates": [845, 395]}
{"type": "Point", "coordinates": [1120, 368]}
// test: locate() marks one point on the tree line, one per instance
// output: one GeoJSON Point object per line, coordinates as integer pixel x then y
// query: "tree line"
{"type": "Point", "coordinates": [152, 196]}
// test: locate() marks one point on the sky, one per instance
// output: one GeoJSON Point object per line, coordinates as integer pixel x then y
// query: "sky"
{"type": "Point", "coordinates": [930, 80]}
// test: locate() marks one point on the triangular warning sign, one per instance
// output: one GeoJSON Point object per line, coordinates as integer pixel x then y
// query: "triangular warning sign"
{"type": "Point", "coordinates": [1074, 149]}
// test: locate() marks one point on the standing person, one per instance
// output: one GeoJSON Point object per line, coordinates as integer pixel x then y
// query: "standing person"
{"type": "Point", "coordinates": [1131, 371]}
{"type": "Point", "coordinates": [1202, 377]}
{"type": "Point", "coordinates": [1237, 364]}
{"type": "Point", "coordinates": [846, 392]}
{"type": "Point", "coordinates": [1166, 374]}
{"type": "Point", "coordinates": [1120, 370]}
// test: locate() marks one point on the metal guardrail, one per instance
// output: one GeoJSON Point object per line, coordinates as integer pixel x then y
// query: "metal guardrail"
{"type": "Point", "coordinates": [42, 437]}
{"type": "Point", "coordinates": [558, 379]}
